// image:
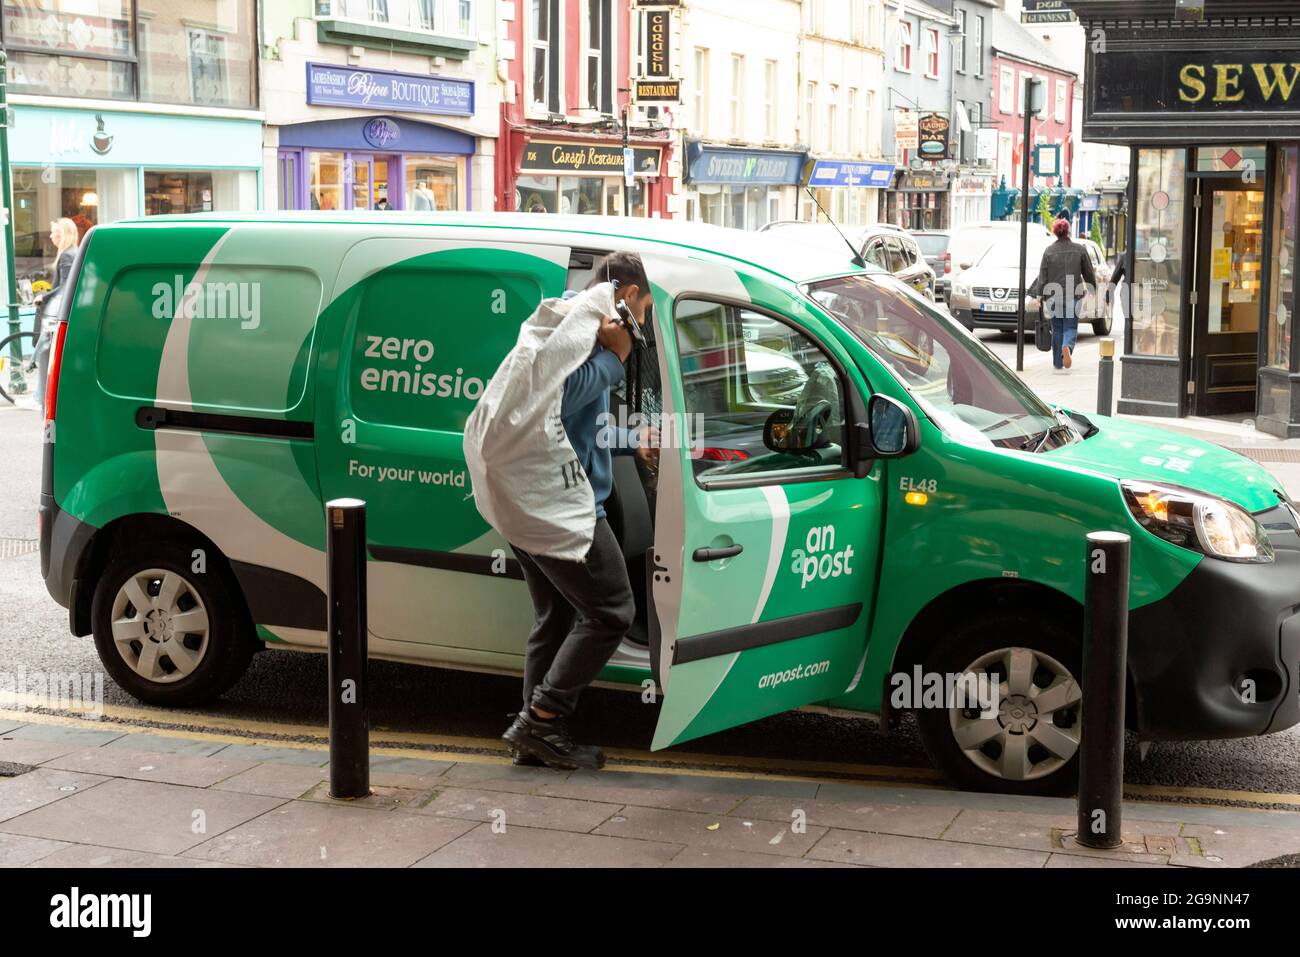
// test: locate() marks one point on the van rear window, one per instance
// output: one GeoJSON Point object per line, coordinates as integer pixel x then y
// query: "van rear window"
{"type": "Point", "coordinates": [245, 336]}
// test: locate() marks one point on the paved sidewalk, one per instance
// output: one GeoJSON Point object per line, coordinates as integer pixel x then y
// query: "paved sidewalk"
{"type": "Point", "coordinates": [103, 795]}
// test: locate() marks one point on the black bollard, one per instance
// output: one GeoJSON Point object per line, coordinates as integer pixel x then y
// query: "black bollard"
{"type": "Point", "coordinates": [345, 520]}
{"type": "Point", "coordinates": [1105, 657]}
{"type": "Point", "coordinates": [1106, 378]}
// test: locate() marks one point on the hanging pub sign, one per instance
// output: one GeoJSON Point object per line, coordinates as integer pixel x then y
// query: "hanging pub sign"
{"type": "Point", "coordinates": [1046, 11]}
{"type": "Point", "coordinates": [552, 156]}
{"type": "Point", "coordinates": [1205, 82]}
{"type": "Point", "coordinates": [905, 130]}
{"type": "Point", "coordinates": [932, 134]}
{"type": "Point", "coordinates": [658, 55]}
{"type": "Point", "coordinates": [657, 91]}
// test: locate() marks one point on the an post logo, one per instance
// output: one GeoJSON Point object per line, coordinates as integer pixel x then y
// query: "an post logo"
{"type": "Point", "coordinates": [819, 560]}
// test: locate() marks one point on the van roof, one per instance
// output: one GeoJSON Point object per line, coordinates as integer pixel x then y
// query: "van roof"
{"type": "Point", "coordinates": [767, 251]}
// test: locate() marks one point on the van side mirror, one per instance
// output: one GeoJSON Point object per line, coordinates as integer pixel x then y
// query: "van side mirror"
{"type": "Point", "coordinates": [893, 429]}
{"type": "Point", "coordinates": [965, 264]}
{"type": "Point", "coordinates": [781, 434]}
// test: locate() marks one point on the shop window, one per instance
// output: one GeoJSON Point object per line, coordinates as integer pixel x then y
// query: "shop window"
{"type": "Point", "coordinates": [197, 191]}
{"type": "Point", "coordinates": [1282, 286]}
{"type": "Point", "coordinates": [581, 195]}
{"type": "Point", "coordinates": [739, 368]}
{"type": "Point", "coordinates": [325, 180]}
{"type": "Point", "coordinates": [1233, 160]}
{"type": "Point", "coordinates": [85, 196]}
{"type": "Point", "coordinates": [434, 182]}
{"type": "Point", "coordinates": [1158, 285]}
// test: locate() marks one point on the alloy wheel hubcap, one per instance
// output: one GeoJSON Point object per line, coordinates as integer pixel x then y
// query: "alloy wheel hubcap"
{"type": "Point", "coordinates": [160, 625]}
{"type": "Point", "coordinates": [1035, 728]}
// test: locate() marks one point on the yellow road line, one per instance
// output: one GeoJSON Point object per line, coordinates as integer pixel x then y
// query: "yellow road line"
{"type": "Point", "coordinates": [379, 736]}
{"type": "Point", "coordinates": [449, 748]}
{"type": "Point", "coordinates": [1212, 794]}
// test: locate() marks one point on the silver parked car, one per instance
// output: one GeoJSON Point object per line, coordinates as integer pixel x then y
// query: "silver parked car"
{"type": "Point", "coordinates": [985, 293]}
{"type": "Point", "coordinates": [884, 245]}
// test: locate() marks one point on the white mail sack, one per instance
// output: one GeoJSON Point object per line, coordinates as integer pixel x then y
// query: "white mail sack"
{"type": "Point", "coordinates": [526, 478]}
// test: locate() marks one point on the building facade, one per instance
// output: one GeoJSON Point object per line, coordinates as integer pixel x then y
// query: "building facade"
{"type": "Point", "coordinates": [1017, 55]}
{"type": "Point", "coordinates": [841, 77]}
{"type": "Point", "coordinates": [1208, 101]}
{"type": "Point", "coordinates": [121, 111]}
{"type": "Point", "coordinates": [973, 138]}
{"type": "Point", "coordinates": [380, 104]}
{"type": "Point", "coordinates": [1100, 170]}
{"type": "Point", "coordinates": [566, 67]}
{"type": "Point", "coordinates": [738, 127]}
{"type": "Point", "coordinates": [918, 125]}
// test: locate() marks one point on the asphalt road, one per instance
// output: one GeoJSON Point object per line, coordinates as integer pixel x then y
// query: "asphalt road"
{"type": "Point", "coordinates": [286, 687]}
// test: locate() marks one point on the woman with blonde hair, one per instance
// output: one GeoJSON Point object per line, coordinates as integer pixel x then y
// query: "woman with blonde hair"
{"type": "Point", "coordinates": [66, 237]}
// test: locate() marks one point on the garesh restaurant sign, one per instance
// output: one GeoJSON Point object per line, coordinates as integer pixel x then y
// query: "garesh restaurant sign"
{"type": "Point", "coordinates": [329, 85]}
{"type": "Point", "coordinates": [1257, 81]}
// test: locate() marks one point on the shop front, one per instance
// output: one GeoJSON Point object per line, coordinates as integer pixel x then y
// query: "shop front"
{"type": "Point", "coordinates": [96, 167]}
{"type": "Point", "coordinates": [741, 188]}
{"type": "Point", "coordinates": [586, 178]}
{"type": "Point", "coordinates": [972, 197]}
{"type": "Point", "coordinates": [1213, 118]}
{"type": "Point", "coordinates": [374, 162]}
{"type": "Point", "coordinates": [919, 200]}
{"type": "Point", "coordinates": [847, 189]}
{"type": "Point", "coordinates": [385, 140]}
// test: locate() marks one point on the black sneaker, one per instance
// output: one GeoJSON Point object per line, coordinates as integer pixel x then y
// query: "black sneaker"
{"type": "Point", "coordinates": [522, 759]}
{"type": "Point", "coordinates": [549, 742]}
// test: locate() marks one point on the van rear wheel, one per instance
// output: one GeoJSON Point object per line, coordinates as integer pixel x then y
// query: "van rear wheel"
{"type": "Point", "coordinates": [166, 633]}
{"type": "Point", "coordinates": [1028, 741]}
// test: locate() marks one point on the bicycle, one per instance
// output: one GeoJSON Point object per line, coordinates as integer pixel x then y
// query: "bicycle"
{"type": "Point", "coordinates": [28, 378]}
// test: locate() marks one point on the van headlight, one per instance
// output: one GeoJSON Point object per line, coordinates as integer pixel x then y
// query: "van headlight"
{"type": "Point", "coordinates": [960, 289]}
{"type": "Point", "coordinates": [1198, 521]}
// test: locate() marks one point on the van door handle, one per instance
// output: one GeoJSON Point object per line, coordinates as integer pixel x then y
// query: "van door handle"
{"type": "Point", "coordinates": [714, 554]}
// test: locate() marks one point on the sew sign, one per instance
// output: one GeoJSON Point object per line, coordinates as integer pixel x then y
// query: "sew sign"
{"type": "Point", "coordinates": [330, 85]}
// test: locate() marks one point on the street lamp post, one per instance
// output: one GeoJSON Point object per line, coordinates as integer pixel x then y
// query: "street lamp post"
{"type": "Point", "coordinates": [11, 305]}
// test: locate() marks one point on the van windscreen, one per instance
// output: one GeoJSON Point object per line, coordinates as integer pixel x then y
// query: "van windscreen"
{"type": "Point", "coordinates": [961, 386]}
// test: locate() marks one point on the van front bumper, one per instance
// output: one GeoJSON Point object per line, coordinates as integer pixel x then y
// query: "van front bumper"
{"type": "Point", "coordinates": [1228, 633]}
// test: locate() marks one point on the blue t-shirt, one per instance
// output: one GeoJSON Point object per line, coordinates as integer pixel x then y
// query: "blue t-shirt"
{"type": "Point", "coordinates": [583, 412]}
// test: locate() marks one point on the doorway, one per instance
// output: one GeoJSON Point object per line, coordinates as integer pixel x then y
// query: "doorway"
{"type": "Point", "coordinates": [1229, 297]}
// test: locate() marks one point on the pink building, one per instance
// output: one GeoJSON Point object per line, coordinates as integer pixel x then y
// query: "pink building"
{"type": "Point", "coordinates": [1017, 55]}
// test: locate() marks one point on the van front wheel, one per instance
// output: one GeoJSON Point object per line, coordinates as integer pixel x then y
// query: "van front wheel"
{"type": "Point", "coordinates": [1020, 734]}
{"type": "Point", "coordinates": [166, 633]}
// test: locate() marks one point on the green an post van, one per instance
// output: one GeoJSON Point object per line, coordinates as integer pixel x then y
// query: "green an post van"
{"type": "Point", "coordinates": [855, 495]}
